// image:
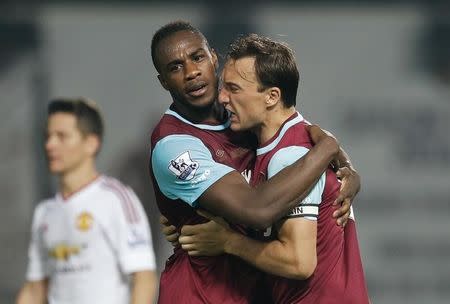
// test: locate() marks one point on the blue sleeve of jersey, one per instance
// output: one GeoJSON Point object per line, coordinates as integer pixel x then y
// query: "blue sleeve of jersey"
{"type": "Point", "coordinates": [184, 168]}
{"type": "Point", "coordinates": [309, 207]}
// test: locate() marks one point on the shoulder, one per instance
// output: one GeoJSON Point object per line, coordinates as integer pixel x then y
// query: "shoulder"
{"type": "Point", "coordinates": [177, 139]}
{"type": "Point", "coordinates": [168, 125]}
{"type": "Point", "coordinates": [298, 135]}
{"type": "Point", "coordinates": [284, 157]}
{"type": "Point", "coordinates": [43, 208]}
{"type": "Point", "coordinates": [173, 146]}
{"type": "Point", "coordinates": [289, 154]}
{"type": "Point", "coordinates": [120, 198]}
{"type": "Point", "coordinates": [114, 189]}
{"type": "Point", "coordinates": [45, 204]}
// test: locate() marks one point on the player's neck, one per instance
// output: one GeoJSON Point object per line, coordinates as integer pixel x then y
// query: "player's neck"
{"type": "Point", "coordinates": [214, 114]}
{"type": "Point", "coordinates": [272, 123]}
{"type": "Point", "coordinates": [77, 178]}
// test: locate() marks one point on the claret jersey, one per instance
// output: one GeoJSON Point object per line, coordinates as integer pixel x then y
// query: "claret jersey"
{"type": "Point", "coordinates": [186, 159]}
{"type": "Point", "coordinates": [339, 276]}
{"type": "Point", "coordinates": [89, 243]}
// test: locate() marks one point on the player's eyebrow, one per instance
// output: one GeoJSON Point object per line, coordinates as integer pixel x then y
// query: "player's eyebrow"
{"type": "Point", "coordinates": [190, 54]}
{"type": "Point", "coordinates": [199, 50]}
{"type": "Point", "coordinates": [231, 84]}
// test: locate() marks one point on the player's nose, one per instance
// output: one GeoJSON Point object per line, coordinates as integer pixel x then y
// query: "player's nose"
{"type": "Point", "coordinates": [224, 97]}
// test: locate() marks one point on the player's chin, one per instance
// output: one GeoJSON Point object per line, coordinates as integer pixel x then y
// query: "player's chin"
{"type": "Point", "coordinates": [55, 168]}
{"type": "Point", "coordinates": [236, 126]}
{"type": "Point", "coordinates": [203, 101]}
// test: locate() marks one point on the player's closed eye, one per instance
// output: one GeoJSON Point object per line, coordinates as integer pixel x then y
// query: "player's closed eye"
{"type": "Point", "coordinates": [233, 88]}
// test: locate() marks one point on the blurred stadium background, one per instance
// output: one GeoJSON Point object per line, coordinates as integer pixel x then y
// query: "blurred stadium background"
{"type": "Point", "coordinates": [376, 73]}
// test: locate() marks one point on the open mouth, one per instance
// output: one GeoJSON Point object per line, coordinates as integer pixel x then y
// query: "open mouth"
{"type": "Point", "coordinates": [197, 90]}
{"type": "Point", "coordinates": [232, 116]}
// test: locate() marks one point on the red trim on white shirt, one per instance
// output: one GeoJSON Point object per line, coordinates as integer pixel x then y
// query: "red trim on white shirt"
{"type": "Point", "coordinates": [120, 190]}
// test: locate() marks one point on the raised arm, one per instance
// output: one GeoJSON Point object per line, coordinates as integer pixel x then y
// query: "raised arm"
{"type": "Point", "coordinates": [292, 254]}
{"type": "Point", "coordinates": [186, 170]}
{"type": "Point", "coordinates": [233, 198]}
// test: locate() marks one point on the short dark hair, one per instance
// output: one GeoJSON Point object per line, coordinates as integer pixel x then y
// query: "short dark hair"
{"type": "Point", "coordinates": [86, 111]}
{"type": "Point", "coordinates": [168, 30]}
{"type": "Point", "coordinates": [274, 64]}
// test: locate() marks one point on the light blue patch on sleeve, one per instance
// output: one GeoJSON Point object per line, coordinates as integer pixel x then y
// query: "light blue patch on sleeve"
{"type": "Point", "coordinates": [309, 207]}
{"type": "Point", "coordinates": [184, 167]}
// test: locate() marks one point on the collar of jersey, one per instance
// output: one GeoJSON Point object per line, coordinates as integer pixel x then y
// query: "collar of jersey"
{"type": "Point", "coordinates": [200, 126]}
{"type": "Point", "coordinates": [297, 119]}
{"type": "Point", "coordinates": [61, 198]}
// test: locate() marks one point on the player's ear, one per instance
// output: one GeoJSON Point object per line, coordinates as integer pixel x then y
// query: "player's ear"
{"type": "Point", "coordinates": [215, 59]}
{"type": "Point", "coordinates": [92, 144]}
{"type": "Point", "coordinates": [273, 96]}
{"type": "Point", "coordinates": [163, 82]}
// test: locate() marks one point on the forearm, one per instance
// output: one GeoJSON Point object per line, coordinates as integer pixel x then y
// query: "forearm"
{"type": "Point", "coordinates": [273, 257]}
{"type": "Point", "coordinates": [264, 205]}
{"type": "Point", "coordinates": [343, 159]}
{"type": "Point", "coordinates": [32, 293]}
{"type": "Point", "coordinates": [143, 290]}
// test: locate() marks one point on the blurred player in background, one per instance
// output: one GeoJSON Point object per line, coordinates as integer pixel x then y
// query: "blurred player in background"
{"type": "Point", "coordinates": [91, 242]}
{"type": "Point", "coordinates": [311, 259]}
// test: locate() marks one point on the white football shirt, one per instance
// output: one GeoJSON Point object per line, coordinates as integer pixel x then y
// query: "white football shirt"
{"type": "Point", "coordinates": [89, 243]}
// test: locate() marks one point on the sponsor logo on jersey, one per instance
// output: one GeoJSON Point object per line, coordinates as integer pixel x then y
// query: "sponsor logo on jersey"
{"type": "Point", "coordinates": [62, 252]}
{"type": "Point", "coordinates": [84, 221]}
{"type": "Point", "coordinates": [201, 178]}
{"type": "Point", "coordinates": [220, 153]}
{"type": "Point", "coordinates": [183, 166]}
{"type": "Point", "coordinates": [73, 268]}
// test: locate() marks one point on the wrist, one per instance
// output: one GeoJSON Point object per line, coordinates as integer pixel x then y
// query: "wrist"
{"type": "Point", "coordinates": [233, 243]}
{"type": "Point", "coordinates": [331, 145]}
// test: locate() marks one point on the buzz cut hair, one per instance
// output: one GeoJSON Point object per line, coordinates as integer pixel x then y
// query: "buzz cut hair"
{"type": "Point", "coordinates": [168, 30]}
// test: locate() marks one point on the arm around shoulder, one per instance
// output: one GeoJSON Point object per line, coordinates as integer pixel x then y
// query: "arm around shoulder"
{"type": "Point", "coordinates": [232, 197]}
